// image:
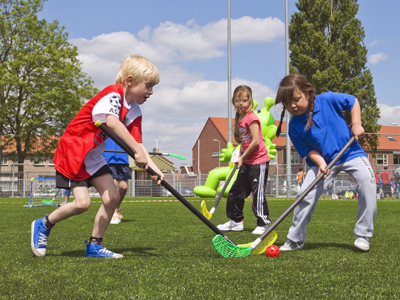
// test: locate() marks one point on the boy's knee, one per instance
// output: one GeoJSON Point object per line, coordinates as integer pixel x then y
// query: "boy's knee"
{"type": "Point", "coordinates": [82, 206]}
{"type": "Point", "coordinates": [112, 198]}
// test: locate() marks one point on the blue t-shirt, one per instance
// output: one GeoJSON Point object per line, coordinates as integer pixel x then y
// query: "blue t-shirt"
{"type": "Point", "coordinates": [115, 157]}
{"type": "Point", "coordinates": [329, 133]}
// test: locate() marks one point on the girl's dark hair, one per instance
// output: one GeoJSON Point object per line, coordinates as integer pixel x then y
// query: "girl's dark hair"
{"type": "Point", "coordinates": [287, 86]}
{"type": "Point", "coordinates": [238, 93]}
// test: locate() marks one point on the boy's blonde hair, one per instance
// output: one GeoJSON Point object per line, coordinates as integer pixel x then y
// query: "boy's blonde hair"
{"type": "Point", "coordinates": [140, 68]}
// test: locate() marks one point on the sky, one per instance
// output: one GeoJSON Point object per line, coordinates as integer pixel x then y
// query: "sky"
{"type": "Point", "coordinates": [187, 41]}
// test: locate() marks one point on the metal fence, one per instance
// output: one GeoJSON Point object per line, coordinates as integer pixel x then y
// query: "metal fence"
{"type": "Point", "coordinates": [11, 186]}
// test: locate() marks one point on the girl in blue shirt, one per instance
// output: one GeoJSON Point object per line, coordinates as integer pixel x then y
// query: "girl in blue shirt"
{"type": "Point", "coordinates": [318, 131]}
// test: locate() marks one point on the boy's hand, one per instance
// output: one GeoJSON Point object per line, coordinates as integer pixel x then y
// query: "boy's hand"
{"type": "Point", "coordinates": [141, 159]}
{"type": "Point", "coordinates": [157, 179]}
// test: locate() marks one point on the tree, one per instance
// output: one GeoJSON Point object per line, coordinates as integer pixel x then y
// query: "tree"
{"type": "Point", "coordinates": [42, 86]}
{"type": "Point", "coordinates": [326, 44]}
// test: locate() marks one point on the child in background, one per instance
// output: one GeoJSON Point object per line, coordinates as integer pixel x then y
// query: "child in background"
{"type": "Point", "coordinates": [67, 194]}
{"type": "Point", "coordinates": [121, 173]}
{"type": "Point", "coordinates": [253, 166]}
{"type": "Point", "coordinates": [78, 159]}
{"type": "Point", "coordinates": [318, 131]}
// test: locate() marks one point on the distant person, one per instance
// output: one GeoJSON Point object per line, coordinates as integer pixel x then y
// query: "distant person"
{"type": "Point", "coordinates": [67, 193]}
{"type": "Point", "coordinates": [300, 176]}
{"type": "Point", "coordinates": [387, 189]}
{"type": "Point", "coordinates": [397, 181]}
{"type": "Point", "coordinates": [318, 131]}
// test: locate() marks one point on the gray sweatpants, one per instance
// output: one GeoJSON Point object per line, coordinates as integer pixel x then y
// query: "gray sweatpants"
{"type": "Point", "coordinates": [360, 169]}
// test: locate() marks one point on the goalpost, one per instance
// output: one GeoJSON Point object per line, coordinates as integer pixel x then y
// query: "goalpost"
{"type": "Point", "coordinates": [45, 193]}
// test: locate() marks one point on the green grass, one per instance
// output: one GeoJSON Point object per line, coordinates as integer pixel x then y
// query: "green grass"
{"type": "Point", "coordinates": [168, 254]}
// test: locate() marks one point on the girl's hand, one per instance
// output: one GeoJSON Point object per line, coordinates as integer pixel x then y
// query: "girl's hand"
{"type": "Point", "coordinates": [357, 131]}
{"type": "Point", "coordinates": [141, 159]}
{"type": "Point", "coordinates": [322, 169]}
{"type": "Point", "coordinates": [239, 162]}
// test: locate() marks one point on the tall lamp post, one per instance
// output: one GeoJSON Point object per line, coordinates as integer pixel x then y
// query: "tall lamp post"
{"type": "Point", "coordinates": [219, 150]}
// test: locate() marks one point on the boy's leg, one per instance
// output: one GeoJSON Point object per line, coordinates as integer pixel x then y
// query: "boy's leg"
{"type": "Point", "coordinates": [109, 195]}
{"type": "Point", "coordinates": [104, 184]}
{"type": "Point", "coordinates": [40, 229]}
{"type": "Point", "coordinates": [80, 204]}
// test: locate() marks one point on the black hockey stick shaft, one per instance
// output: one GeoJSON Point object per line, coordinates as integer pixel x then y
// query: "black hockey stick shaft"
{"type": "Point", "coordinates": [225, 186]}
{"type": "Point", "coordinates": [306, 191]}
{"type": "Point", "coordinates": [128, 150]}
{"type": "Point", "coordinates": [151, 153]}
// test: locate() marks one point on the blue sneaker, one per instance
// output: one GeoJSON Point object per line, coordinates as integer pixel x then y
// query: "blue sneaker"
{"type": "Point", "coordinates": [96, 250]}
{"type": "Point", "coordinates": [39, 236]}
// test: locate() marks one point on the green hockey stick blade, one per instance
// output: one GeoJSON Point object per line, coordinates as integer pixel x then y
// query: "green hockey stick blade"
{"type": "Point", "coordinates": [48, 201]}
{"type": "Point", "coordinates": [177, 156]}
{"type": "Point", "coordinates": [226, 249]}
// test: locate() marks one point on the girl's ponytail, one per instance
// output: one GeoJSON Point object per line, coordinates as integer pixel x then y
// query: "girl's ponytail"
{"type": "Point", "coordinates": [278, 130]}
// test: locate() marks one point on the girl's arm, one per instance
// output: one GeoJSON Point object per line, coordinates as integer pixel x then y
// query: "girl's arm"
{"type": "Point", "coordinates": [356, 126]}
{"type": "Point", "coordinates": [254, 128]}
{"type": "Point", "coordinates": [317, 158]}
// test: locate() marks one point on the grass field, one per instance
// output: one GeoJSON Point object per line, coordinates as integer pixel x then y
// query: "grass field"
{"type": "Point", "coordinates": [168, 254]}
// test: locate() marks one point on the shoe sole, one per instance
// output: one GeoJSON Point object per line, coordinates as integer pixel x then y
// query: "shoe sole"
{"type": "Point", "coordinates": [286, 249]}
{"type": "Point", "coordinates": [38, 254]}
{"type": "Point", "coordinates": [365, 249]}
{"type": "Point", "coordinates": [230, 229]}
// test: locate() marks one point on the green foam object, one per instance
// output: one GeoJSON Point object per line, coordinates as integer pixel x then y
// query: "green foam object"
{"type": "Point", "coordinates": [226, 249]}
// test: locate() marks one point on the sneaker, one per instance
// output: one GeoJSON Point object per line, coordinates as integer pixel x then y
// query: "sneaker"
{"type": "Point", "coordinates": [39, 236]}
{"type": "Point", "coordinates": [119, 215]}
{"type": "Point", "coordinates": [362, 243]}
{"type": "Point", "coordinates": [260, 229]}
{"type": "Point", "coordinates": [115, 219]}
{"type": "Point", "coordinates": [231, 226]}
{"type": "Point", "coordinates": [96, 250]}
{"type": "Point", "coordinates": [290, 245]}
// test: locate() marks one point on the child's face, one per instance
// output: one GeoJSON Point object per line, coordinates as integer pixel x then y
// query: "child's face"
{"type": "Point", "coordinates": [299, 104]}
{"type": "Point", "coordinates": [138, 92]}
{"type": "Point", "coordinates": [242, 104]}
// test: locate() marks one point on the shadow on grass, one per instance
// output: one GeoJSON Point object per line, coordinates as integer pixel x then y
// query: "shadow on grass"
{"type": "Point", "coordinates": [136, 251]}
{"type": "Point", "coordinates": [311, 246]}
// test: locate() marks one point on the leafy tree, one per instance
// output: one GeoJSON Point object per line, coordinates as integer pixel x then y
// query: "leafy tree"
{"type": "Point", "coordinates": [42, 86]}
{"type": "Point", "coordinates": [326, 43]}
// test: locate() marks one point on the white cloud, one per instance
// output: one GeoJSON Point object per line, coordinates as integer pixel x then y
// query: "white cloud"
{"type": "Point", "coordinates": [373, 43]}
{"type": "Point", "coordinates": [389, 114]}
{"type": "Point", "coordinates": [377, 57]}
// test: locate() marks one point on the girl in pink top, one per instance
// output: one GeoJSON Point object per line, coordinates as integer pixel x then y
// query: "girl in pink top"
{"type": "Point", "coordinates": [253, 166]}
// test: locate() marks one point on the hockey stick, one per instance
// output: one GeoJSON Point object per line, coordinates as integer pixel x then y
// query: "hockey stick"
{"type": "Point", "coordinates": [120, 143]}
{"type": "Point", "coordinates": [152, 153]}
{"type": "Point", "coordinates": [204, 211]}
{"type": "Point", "coordinates": [225, 249]}
{"type": "Point", "coordinates": [52, 200]}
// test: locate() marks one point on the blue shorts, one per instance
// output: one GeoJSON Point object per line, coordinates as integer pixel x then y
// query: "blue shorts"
{"type": "Point", "coordinates": [120, 171]}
